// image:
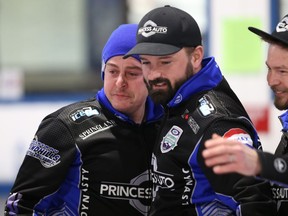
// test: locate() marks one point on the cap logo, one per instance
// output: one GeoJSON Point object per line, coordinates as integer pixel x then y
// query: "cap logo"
{"type": "Point", "coordinates": [283, 25]}
{"type": "Point", "coordinates": [151, 28]}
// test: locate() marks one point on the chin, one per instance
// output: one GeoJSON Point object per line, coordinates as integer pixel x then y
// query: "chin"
{"type": "Point", "coordinates": [281, 105]}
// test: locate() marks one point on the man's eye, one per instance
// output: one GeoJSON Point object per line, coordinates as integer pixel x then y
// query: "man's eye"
{"type": "Point", "coordinates": [112, 71]}
{"type": "Point", "coordinates": [283, 72]}
{"type": "Point", "coordinates": [166, 62]}
{"type": "Point", "coordinates": [145, 62]}
{"type": "Point", "coordinates": [132, 75]}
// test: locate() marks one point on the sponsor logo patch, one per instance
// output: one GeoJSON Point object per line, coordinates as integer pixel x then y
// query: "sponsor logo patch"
{"type": "Point", "coordinates": [283, 25]}
{"type": "Point", "coordinates": [280, 165]}
{"type": "Point", "coordinates": [84, 113]}
{"type": "Point", "coordinates": [160, 179]}
{"type": "Point", "coordinates": [239, 135]}
{"type": "Point", "coordinates": [178, 99]}
{"type": "Point", "coordinates": [280, 193]}
{"type": "Point", "coordinates": [97, 128]}
{"type": "Point", "coordinates": [150, 28]}
{"type": "Point", "coordinates": [47, 155]}
{"type": "Point", "coordinates": [206, 107]}
{"type": "Point", "coordinates": [138, 192]}
{"type": "Point", "coordinates": [170, 141]}
{"type": "Point", "coordinates": [191, 121]}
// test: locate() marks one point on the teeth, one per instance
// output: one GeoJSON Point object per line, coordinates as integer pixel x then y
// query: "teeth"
{"type": "Point", "coordinates": [160, 84]}
{"type": "Point", "coordinates": [279, 92]}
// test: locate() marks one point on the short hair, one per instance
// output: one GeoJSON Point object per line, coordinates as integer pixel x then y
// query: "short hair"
{"type": "Point", "coordinates": [189, 50]}
{"type": "Point", "coordinates": [275, 42]}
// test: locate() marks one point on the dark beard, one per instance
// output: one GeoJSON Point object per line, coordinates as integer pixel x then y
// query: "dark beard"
{"type": "Point", "coordinates": [160, 96]}
{"type": "Point", "coordinates": [163, 97]}
{"type": "Point", "coordinates": [279, 105]}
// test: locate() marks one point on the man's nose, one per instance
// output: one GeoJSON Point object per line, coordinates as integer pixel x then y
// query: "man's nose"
{"type": "Point", "coordinates": [121, 81]}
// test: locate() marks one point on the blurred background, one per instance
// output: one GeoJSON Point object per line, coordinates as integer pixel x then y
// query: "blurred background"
{"type": "Point", "coordinates": [50, 56]}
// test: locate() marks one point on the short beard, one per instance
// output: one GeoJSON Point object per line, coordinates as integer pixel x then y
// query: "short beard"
{"type": "Point", "coordinates": [279, 105]}
{"type": "Point", "coordinates": [163, 97]}
{"type": "Point", "coordinates": [160, 96]}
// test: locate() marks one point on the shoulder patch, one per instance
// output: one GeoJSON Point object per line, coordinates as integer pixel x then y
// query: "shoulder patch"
{"type": "Point", "coordinates": [47, 155]}
{"type": "Point", "coordinates": [206, 106]}
{"type": "Point", "coordinates": [239, 135]}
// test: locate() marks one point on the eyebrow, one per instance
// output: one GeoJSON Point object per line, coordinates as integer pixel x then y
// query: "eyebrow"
{"type": "Point", "coordinates": [134, 67]}
{"type": "Point", "coordinates": [278, 67]}
{"type": "Point", "coordinates": [159, 57]}
{"type": "Point", "coordinates": [129, 67]}
{"type": "Point", "coordinates": [111, 64]}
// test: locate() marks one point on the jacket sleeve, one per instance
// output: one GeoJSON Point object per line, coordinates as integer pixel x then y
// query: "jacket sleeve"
{"type": "Point", "coordinates": [274, 168]}
{"type": "Point", "coordinates": [44, 167]}
{"type": "Point", "coordinates": [254, 196]}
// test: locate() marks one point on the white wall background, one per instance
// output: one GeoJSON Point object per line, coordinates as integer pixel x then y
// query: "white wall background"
{"type": "Point", "coordinates": [250, 86]}
{"type": "Point", "coordinates": [43, 34]}
{"type": "Point", "coordinates": [19, 122]}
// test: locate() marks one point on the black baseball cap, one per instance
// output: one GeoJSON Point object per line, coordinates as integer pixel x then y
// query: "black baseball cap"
{"type": "Point", "coordinates": [166, 30]}
{"type": "Point", "coordinates": [280, 34]}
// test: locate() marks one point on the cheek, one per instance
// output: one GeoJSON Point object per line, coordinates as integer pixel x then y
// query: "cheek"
{"type": "Point", "coordinates": [140, 88]}
{"type": "Point", "coordinates": [267, 78]}
{"type": "Point", "coordinates": [108, 86]}
{"type": "Point", "coordinates": [175, 79]}
{"type": "Point", "coordinates": [145, 75]}
{"type": "Point", "coordinates": [141, 96]}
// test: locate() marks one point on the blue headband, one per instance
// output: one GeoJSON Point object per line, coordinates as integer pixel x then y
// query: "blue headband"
{"type": "Point", "coordinates": [119, 43]}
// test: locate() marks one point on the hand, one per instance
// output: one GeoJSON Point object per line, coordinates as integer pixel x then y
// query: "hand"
{"type": "Point", "coordinates": [226, 156]}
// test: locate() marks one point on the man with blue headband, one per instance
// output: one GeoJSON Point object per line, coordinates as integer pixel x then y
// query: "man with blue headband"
{"type": "Point", "coordinates": [93, 157]}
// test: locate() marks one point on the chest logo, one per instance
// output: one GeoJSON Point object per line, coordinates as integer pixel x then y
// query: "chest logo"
{"type": "Point", "coordinates": [84, 113]}
{"type": "Point", "coordinates": [170, 141]}
{"type": "Point", "coordinates": [206, 107]}
{"type": "Point", "coordinates": [280, 165]}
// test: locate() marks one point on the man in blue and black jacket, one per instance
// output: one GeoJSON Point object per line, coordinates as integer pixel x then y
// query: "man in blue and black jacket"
{"type": "Point", "coordinates": [93, 157]}
{"type": "Point", "coordinates": [198, 102]}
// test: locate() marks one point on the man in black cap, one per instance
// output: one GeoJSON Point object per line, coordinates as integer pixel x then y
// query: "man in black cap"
{"type": "Point", "coordinates": [246, 160]}
{"type": "Point", "coordinates": [198, 102]}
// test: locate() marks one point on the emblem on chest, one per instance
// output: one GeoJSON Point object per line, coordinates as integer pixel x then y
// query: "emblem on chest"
{"type": "Point", "coordinates": [170, 140]}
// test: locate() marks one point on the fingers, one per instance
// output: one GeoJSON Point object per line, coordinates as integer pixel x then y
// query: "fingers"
{"type": "Point", "coordinates": [227, 156]}
{"type": "Point", "coordinates": [219, 146]}
{"type": "Point", "coordinates": [220, 159]}
{"type": "Point", "coordinates": [223, 163]}
{"type": "Point", "coordinates": [216, 146]}
{"type": "Point", "coordinates": [221, 154]}
{"type": "Point", "coordinates": [216, 139]}
{"type": "Point", "coordinates": [225, 168]}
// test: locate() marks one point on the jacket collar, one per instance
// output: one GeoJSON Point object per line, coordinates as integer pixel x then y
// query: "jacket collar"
{"type": "Point", "coordinates": [153, 112]}
{"type": "Point", "coordinates": [207, 78]}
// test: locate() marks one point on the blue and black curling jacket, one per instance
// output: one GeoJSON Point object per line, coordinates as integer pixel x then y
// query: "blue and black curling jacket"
{"type": "Point", "coordinates": [87, 159]}
{"type": "Point", "coordinates": [274, 167]}
{"type": "Point", "coordinates": [183, 185]}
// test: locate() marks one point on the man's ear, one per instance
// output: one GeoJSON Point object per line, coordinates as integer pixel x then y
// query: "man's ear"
{"type": "Point", "coordinates": [197, 57]}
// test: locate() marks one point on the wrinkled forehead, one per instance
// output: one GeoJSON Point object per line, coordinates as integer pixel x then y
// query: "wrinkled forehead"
{"type": "Point", "coordinates": [277, 56]}
{"type": "Point", "coordinates": [120, 59]}
{"type": "Point", "coordinates": [119, 62]}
